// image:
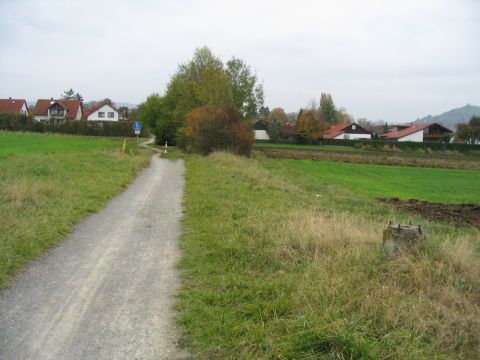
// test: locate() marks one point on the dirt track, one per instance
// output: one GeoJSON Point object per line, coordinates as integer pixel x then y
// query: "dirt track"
{"type": "Point", "coordinates": [461, 215]}
{"type": "Point", "coordinates": [107, 292]}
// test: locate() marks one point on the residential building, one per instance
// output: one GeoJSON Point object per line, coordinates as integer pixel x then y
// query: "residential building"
{"type": "Point", "coordinates": [104, 111]}
{"type": "Point", "coordinates": [18, 106]}
{"type": "Point", "coordinates": [57, 111]}
{"type": "Point", "coordinates": [418, 132]}
{"type": "Point", "coordinates": [260, 129]}
{"type": "Point", "coordinates": [347, 131]}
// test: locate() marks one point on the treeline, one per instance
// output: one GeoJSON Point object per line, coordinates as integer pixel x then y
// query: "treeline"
{"type": "Point", "coordinates": [309, 124]}
{"type": "Point", "coordinates": [207, 105]}
{"type": "Point", "coordinates": [17, 122]}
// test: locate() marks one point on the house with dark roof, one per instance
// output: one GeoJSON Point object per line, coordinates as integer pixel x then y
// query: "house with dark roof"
{"type": "Point", "coordinates": [18, 106]}
{"type": "Point", "coordinates": [418, 132]}
{"type": "Point", "coordinates": [57, 111]}
{"type": "Point", "coordinates": [347, 131]}
{"type": "Point", "coordinates": [103, 111]}
{"type": "Point", "coordinates": [260, 129]}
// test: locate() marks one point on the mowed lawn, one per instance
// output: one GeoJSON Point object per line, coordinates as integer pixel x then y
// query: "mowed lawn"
{"type": "Point", "coordinates": [49, 182]}
{"type": "Point", "coordinates": [380, 181]}
{"type": "Point", "coordinates": [282, 263]}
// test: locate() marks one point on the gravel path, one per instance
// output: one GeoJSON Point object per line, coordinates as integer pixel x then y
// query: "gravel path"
{"type": "Point", "coordinates": [107, 292]}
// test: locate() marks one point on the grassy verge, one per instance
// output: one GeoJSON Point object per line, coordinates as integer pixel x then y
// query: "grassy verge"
{"type": "Point", "coordinates": [49, 182]}
{"type": "Point", "coordinates": [281, 265]}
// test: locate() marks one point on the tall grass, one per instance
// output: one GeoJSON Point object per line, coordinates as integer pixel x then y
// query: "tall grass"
{"type": "Point", "coordinates": [273, 271]}
{"type": "Point", "coordinates": [48, 183]}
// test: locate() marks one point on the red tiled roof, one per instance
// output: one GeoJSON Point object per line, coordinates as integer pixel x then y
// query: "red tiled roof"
{"type": "Point", "coordinates": [405, 132]}
{"type": "Point", "coordinates": [42, 105]}
{"type": "Point", "coordinates": [12, 105]}
{"type": "Point", "coordinates": [335, 130]}
{"type": "Point", "coordinates": [94, 108]}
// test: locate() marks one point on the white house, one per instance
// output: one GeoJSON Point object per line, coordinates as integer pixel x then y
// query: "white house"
{"type": "Point", "coordinates": [260, 129]}
{"type": "Point", "coordinates": [347, 131]}
{"type": "Point", "coordinates": [18, 106]}
{"type": "Point", "coordinates": [101, 112]}
{"type": "Point", "coordinates": [418, 132]}
{"type": "Point", "coordinates": [57, 111]}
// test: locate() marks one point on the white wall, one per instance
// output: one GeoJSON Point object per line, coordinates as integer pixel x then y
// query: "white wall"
{"type": "Point", "coordinates": [353, 136]}
{"type": "Point", "coordinates": [416, 137]}
{"type": "Point", "coordinates": [105, 109]}
{"type": "Point", "coordinates": [261, 135]}
{"type": "Point", "coordinates": [41, 117]}
{"type": "Point", "coordinates": [79, 114]}
{"type": "Point", "coordinates": [24, 109]}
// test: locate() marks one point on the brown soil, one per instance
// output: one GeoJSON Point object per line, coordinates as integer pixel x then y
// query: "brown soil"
{"type": "Point", "coordinates": [370, 158]}
{"type": "Point", "coordinates": [461, 214]}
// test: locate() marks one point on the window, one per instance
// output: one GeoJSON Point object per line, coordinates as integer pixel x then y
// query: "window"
{"type": "Point", "coordinates": [111, 114]}
{"type": "Point", "coordinates": [56, 112]}
{"type": "Point", "coordinates": [101, 114]}
{"type": "Point", "coordinates": [354, 127]}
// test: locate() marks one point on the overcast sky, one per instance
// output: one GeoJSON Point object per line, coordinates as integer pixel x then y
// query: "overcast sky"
{"type": "Point", "coordinates": [380, 59]}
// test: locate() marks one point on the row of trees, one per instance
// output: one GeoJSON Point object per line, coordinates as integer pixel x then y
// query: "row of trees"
{"type": "Point", "coordinates": [206, 94]}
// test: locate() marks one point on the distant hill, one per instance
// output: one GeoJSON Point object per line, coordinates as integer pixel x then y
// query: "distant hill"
{"type": "Point", "coordinates": [453, 117]}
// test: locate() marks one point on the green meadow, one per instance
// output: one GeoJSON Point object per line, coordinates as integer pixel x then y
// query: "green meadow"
{"type": "Point", "coordinates": [283, 259]}
{"type": "Point", "coordinates": [50, 182]}
{"type": "Point", "coordinates": [380, 181]}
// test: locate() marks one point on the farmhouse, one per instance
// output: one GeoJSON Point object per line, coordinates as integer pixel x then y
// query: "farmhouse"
{"type": "Point", "coordinates": [347, 131]}
{"type": "Point", "coordinates": [101, 112]}
{"type": "Point", "coordinates": [18, 106]}
{"type": "Point", "coordinates": [418, 132]}
{"type": "Point", "coordinates": [260, 127]}
{"type": "Point", "coordinates": [57, 111]}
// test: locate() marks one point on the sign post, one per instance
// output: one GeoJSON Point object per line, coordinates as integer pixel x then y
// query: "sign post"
{"type": "Point", "coordinates": [137, 127]}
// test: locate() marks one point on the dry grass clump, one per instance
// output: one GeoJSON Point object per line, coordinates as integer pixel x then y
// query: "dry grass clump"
{"type": "Point", "coordinates": [433, 292]}
{"type": "Point", "coordinates": [22, 194]}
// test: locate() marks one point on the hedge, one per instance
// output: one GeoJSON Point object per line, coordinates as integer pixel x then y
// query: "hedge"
{"type": "Point", "coordinates": [382, 144]}
{"type": "Point", "coordinates": [17, 122]}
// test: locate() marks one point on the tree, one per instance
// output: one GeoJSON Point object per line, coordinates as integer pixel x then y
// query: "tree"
{"type": "Point", "coordinates": [247, 92]}
{"type": "Point", "coordinates": [206, 82]}
{"type": "Point", "coordinates": [68, 94]}
{"type": "Point", "coordinates": [278, 115]}
{"type": "Point", "coordinates": [309, 127]}
{"type": "Point", "coordinates": [208, 129]}
{"type": "Point", "coordinates": [470, 132]}
{"type": "Point", "coordinates": [264, 111]}
{"type": "Point", "coordinates": [79, 97]}
{"type": "Point", "coordinates": [327, 109]}
{"type": "Point", "coordinates": [385, 128]}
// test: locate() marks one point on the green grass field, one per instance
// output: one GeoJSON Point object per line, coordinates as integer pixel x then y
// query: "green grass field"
{"type": "Point", "coordinates": [378, 181]}
{"type": "Point", "coordinates": [282, 261]}
{"type": "Point", "coordinates": [49, 182]}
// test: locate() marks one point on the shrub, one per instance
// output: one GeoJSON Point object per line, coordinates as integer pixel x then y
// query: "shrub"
{"type": "Point", "coordinates": [17, 122]}
{"type": "Point", "coordinates": [208, 129]}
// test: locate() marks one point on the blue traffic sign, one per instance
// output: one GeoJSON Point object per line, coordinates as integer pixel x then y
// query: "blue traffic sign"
{"type": "Point", "coordinates": [137, 126]}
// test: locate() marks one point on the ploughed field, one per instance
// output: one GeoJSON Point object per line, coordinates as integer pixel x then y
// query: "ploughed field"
{"type": "Point", "coordinates": [447, 160]}
{"type": "Point", "coordinates": [283, 259]}
{"type": "Point", "coordinates": [49, 182]}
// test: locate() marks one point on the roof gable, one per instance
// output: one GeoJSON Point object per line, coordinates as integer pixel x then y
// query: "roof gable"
{"type": "Point", "coordinates": [97, 107]}
{"type": "Point", "coordinates": [336, 130]}
{"type": "Point", "coordinates": [12, 105]}
{"type": "Point", "coordinates": [398, 134]}
{"type": "Point", "coordinates": [42, 106]}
